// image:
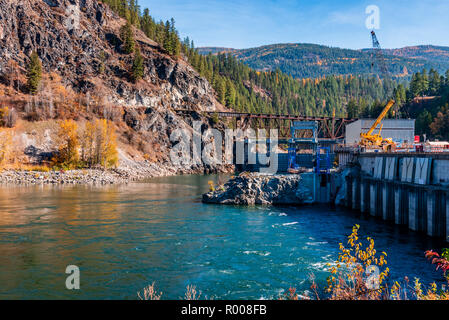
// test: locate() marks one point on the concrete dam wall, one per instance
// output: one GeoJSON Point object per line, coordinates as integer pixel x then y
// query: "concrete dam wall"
{"type": "Point", "coordinates": [409, 189]}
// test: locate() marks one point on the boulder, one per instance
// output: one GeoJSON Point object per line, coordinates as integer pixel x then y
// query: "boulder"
{"type": "Point", "coordinates": [251, 189]}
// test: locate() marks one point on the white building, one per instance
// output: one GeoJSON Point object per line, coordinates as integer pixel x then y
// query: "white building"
{"type": "Point", "coordinates": [402, 131]}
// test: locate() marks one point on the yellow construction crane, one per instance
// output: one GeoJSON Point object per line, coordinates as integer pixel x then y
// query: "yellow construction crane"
{"type": "Point", "coordinates": [370, 140]}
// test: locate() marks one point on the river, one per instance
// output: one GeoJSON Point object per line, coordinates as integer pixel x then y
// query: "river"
{"type": "Point", "coordinates": [124, 237]}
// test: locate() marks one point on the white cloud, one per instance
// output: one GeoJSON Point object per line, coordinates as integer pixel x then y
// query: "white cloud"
{"type": "Point", "coordinates": [346, 17]}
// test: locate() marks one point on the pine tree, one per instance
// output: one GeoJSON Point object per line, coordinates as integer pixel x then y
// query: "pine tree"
{"type": "Point", "coordinates": [127, 35]}
{"type": "Point", "coordinates": [123, 8]}
{"type": "Point", "coordinates": [230, 94]}
{"type": "Point", "coordinates": [147, 24]}
{"type": "Point", "coordinates": [138, 67]}
{"type": "Point", "coordinates": [134, 13]}
{"type": "Point", "coordinates": [423, 122]}
{"type": "Point", "coordinates": [221, 90]}
{"type": "Point", "coordinates": [175, 44]}
{"type": "Point", "coordinates": [416, 85]}
{"type": "Point", "coordinates": [167, 44]}
{"type": "Point", "coordinates": [352, 109]}
{"type": "Point", "coordinates": [34, 73]}
{"type": "Point", "coordinates": [424, 84]}
{"type": "Point", "coordinates": [434, 82]}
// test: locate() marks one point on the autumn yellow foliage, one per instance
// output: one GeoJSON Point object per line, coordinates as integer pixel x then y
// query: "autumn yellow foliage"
{"type": "Point", "coordinates": [5, 146]}
{"type": "Point", "coordinates": [99, 144]}
{"type": "Point", "coordinates": [3, 113]}
{"type": "Point", "coordinates": [8, 117]}
{"type": "Point", "coordinates": [68, 144]}
{"type": "Point", "coordinates": [359, 272]}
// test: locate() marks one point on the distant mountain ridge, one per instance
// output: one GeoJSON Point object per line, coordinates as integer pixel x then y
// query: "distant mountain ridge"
{"type": "Point", "coordinates": [427, 52]}
{"type": "Point", "coordinates": [303, 60]}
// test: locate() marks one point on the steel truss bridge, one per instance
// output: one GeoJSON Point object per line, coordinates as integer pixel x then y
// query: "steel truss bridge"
{"type": "Point", "coordinates": [331, 128]}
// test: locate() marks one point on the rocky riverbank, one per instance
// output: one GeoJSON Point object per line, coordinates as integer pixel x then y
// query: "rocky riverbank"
{"type": "Point", "coordinates": [250, 189]}
{"type": "Point", "coordinates": [90, 176]}
{"type": "Point", "coordinates": [123, 174]}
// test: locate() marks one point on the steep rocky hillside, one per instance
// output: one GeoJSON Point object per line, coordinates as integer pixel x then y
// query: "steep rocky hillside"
{"type": "Point", "coordinates": [27, 25]}
{"type": "Point", "coordinates": [87, 59]}
{"type": "Point", "coordinates": [312, 61]}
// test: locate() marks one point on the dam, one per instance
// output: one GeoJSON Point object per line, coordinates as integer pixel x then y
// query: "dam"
{"type": "Point", "coordinates": [409, 189]}
{"type": "Point", "coordinates": [407, 185]}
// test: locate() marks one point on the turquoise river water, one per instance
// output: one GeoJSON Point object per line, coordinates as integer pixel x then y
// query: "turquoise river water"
{"type": "Point", "coordinates": [127, 236]}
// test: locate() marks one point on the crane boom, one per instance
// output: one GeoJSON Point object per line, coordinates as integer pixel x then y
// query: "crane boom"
{"type": "Point", "coordinates": [369, 139]}
{"type": "Point", "coordinates": [380, 56]}
{"type": "Point", "coordinates": [381, 117]}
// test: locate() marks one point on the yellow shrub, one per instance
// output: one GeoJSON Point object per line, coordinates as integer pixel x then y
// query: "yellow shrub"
{"type": "Point", "coordinates": [350, 278]}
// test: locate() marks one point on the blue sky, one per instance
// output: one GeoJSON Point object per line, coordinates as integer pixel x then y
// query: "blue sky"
{"type": "Point", "coordinates": [251, 23]}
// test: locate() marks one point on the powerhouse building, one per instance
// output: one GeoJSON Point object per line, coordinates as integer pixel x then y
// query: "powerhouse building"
{"type": "Point", "coordinates": [402, 131]}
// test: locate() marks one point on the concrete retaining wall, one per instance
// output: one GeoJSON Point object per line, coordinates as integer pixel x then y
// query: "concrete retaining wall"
{"type": "Point", "coordinates": [425, 168]}
{"type": "Point", "coordinates": [409, 190]}
{"type": "Point", "coordinates": [422, 208]}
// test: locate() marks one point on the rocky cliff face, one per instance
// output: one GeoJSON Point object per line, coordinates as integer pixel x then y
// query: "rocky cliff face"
{"type": "Point", "coordinates": [75, 47]}
{"type": "Point", "coordinates": [74, 38]}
